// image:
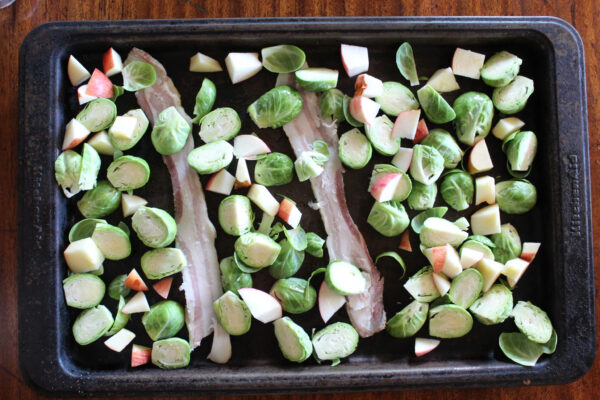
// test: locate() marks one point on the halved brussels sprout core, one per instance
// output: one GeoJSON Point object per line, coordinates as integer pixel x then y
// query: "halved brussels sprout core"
{"type": "Point", "coordinates": [235, 215]}
{"type": "Point", "coordinates": [344, 278]}
{"type": "Point", "coordinates": [466, 287]}
{"type": "Point", "coordinates": [500, 69]}
{"type": "Point", "coordinates": [256, 249]}
{"type": "Point", "coordinates": [512, 98]}
{"type": "Point", "coordinates": [421, 286]}
{"type": "Point", "coordinates": [427, 164]}
{"type": "Point", "coordinates": [494, 306]}
{"type": "Point", "coordinates": [171, 353]}
{"type": "Point", "coordinates": [159, 263]}
{"type": "Point", "coordinates": [396, 98]}
{"type": "Point", "coordinates": [154, 227]}
{"type": "Point", "coordinates": [294, 342]}
{"type": "Point", "coordinates": [211, 157]}
{"type": "Point", "coordinates": [220, 124]}
{"type": "Point", "coordinates": [113, 242]}
{"type": "Point", "coordinates": [335, 341]}
{"type": "Point", "coordinates": [91, 324]}
{"type": "Point", "coordinates": [533, 322]}
{"type": "Point", "coordinates": [449, 321]}
{"type": "Point", "coordinates": [233, 314]}
{"type": "Point", "coordinates": [83, 290]}
{"type": "Point", "coordinates": [409, 321]}
{"type": "Point", "coordinates": [435, 107]}
{"type": "Point", "coordinates": [164, 319]}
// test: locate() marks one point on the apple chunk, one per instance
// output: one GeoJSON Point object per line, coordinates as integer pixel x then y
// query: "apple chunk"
{"type": "Point", "coordinates": [290, 213]}
{"type": "Point", "coordinates": [355, 59]}
{"type": "Point", "coordinates": [329, 302]}
{"type": "Point", "coordinates": [136, 304]}
{"type": "Point", "coordinates": [490, 271]}
{"type": "Point", "coordinates": [467, 63]}
{"type": "Point", "coordinates": [242, 176]}
{"type": "Point", "coordinates": [424, 346]}
{"type": "Point", "coordinates": [163, 287]}
{"type": "Point", "coordinates": [261, 196]}
{"type": "Point", "coordinates": [83, 256]}
{"type": "Point", "coordinates": [242, 66]}
{"type": "Point", "coordinates": [470, 257]}
{"type": "Point", "coordinates": [262, 305]}
{"type": "Point", "coordinates": [479, 159]}
{"type": "Point", "coordinates": [385, 187]}
{"type": "Point", "coordinates": [506, 126]}
{"type": "Point", "coordinates": [75, 133]}
{"type": "Point", "coordinates": [530, 250]}
{"type": "Point", "coordinates": [485, 190]}
{"type": "Point", "coordinates": [101, 142]}
{"type": "Point", "coordinates": [140, 355]}
{"type": "Point", "coordinates": [111, 62]}
{"type": "Point", "coordinates": [368, 86]}
{"type": "Point", "coordinates": [444, 259]}
{"type": "Point", "coordinates": [76, 71]}
{"type": "Point", "coordinates": [221, 182]}
{"type": "Point", "coordinates": [405, 242]}
{"type": "Point", "coordinates": [405, 126]}
{"type": "Point", "coordinates": [442, 284]}
{"type": "Point", "coordinates": [363, 109]}
{"type": "Point", "coordinates": [245, 146]}
{"type": "Point", "coordinates": [119, 340]}
{"type": "Point", "coordinates": [486, 221]}
{"type": "Point", "coordinates": [99, 85]}
{"type": "Point", "coordinates": [134, 281]}
{"type": "Point", "coordinates": [443, 81]}
{"type": "Point", "coordinates": [203, 63]}
{"type": "Point", "coordinates": [403, 158]}
{"type": "Point", "coordinates": [421, 132]}
{"type": "Point", "coordinates": [514, 270]}
{"type": "Point", "coordinates": [130, 203]}
{"type": "Point", "coordinates": [82, 97]}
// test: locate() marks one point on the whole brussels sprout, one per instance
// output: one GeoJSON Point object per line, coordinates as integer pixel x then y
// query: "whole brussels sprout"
{"type": "Point", "coordinates": [274, 169]}
{"type": "Point", "coordinates": [507, 244]}
{"type": "Point", "coordinates": [427, 164]}
{"type": "Point", "coordinates": [474, 113]}
{"type": "Point", "coordinates": [170, 131]}
{"type": "Point", "coordinates": [516, 196]}
{"type": "Point", "coordinates": [164, 319]}
{"type": "Point", "coordinates": [422, 197]}
{"type": "Point", "coordinates": [290, 293]}
{"type": "Point", "coordinates": [457, 189]}
{"type": "Point", "coordinates": [232, 278]}
{"type": "Point", "coordinates": [442, 141]}
{"type": "Point", "coordinates": [276, 108]}
{"type": "Point", "coordinates": [388, 218]}
{"type": "Point", "coordinates": [100, 201]}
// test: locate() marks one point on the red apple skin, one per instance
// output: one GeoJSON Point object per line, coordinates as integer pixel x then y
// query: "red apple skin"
{"type": "Point", "coordinates": [108, 61]}
{"type": "Point", "coordinates": [99, 85]}
{"type": "Point", "coordinates": [286, 208]}
{"type": "Point", "coordinates": [422, 131]}
{"type": "Point", "coordinates": [211, 181]}
{"type": "Point", "coordinates": [382, 183]}
{"type": "Point", "coordinates": [405, 242]}
{"type": "Point", "coordinates": [140, 355]}
{"type": "Point", "coordinates": [134, 281]}
{"type": "Point", "coordinates": [427, 349]}
{"type": "Point", "coordinates": [357, 108]}
{"type": "Point", "coordinates": [163, 287]}
{"type": "Point", "coordinates": [439, 258]}
{"type": "Point", "coordinates": [74, 143]}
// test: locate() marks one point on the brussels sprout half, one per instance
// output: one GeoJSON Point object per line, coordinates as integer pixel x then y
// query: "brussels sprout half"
{"type": "Point", "coordinates": [396, 98]}
{"type": "Point", "coordinates": [442, 141]}
{"type": "Point", "coordinates": [139, 131]}
{"type": "Point", "coordinates": [98, 114]}
{"type": "Point", "coordinates": [283, 58]}
{"type": "Point", "coordinates": [335, 341]}
{"type": "Point", "coordinates": [533, 322]}
{"type": "Point", "coordinates": [211, 157]}
{"type": "Point", "coordinates": [128, 173]}
{"type": "Point", "coordinates": [449, 321]}
{"type": "Point", "coordinates": [256, 249]}
{"type": "Point", "coordinates": [332, 105]}
{"type": "Point", "coordinates": [435, 107]}
{"type": "Point", "coordinates": [427, 164]}
{"type": "Point", "coordinates": [274, 169]}
{"type": "Point", "coordinates": [494, 306]}
{"type": "Point", "coordinates": [516, 196]}
{"type": "Point", "coordinates": [408, 321]}
{"type": "Point", "coordinates": [520, 149]}
{"type": "Point", "coordinates": [457, 189]}
{"type": "Point", "coordinates": [500, 69]}
{"type": "Point", "coordinates": [388, 218]}
{"type": "Point", "coordinates": [205, 100]}
{"type": "Point", "coordinates": [156, 228]}
{"type": "Point", "coordinates": [422, 197]}
{"type": "Point", "coordinates": [66, 172]}
{"type": "Point", "coordinates": [171, 353]}
{"type": "Point", "coordinates": [138, 75]}
{"type": "Point", "coordinates": [232, 278]}
{"type": "Point", "coordinates": [235, 215]}
{"type": "Point", "coordinates": [91, 324]}
{"type": "Point", "coordinates": [512, 98]}
{"type": "Point", "coordinates": [507, 244]}
{"type": "Point", "coordinates": [164, 319]}
{"type": "Point", "coordinates": [83, 290]}
{"type": "Point", "coordinates": [100, 201]}
{"type": "Point", "coordinates": [288, 261]}
{"type": "Point", "coordinates": [220, 124]}
{"type": "Point", "coordinates": [233, 314]}
{"type": "Point", "coordinates": [519, 348]}
{"type": "Point", "coordinates": [159, 263]}
{"type": "Point", "coordinates": [293, 296]}
{"type": "Point", "coordinates": [474, 113]}
{"type": "Point", "coordinates": [294, 342]}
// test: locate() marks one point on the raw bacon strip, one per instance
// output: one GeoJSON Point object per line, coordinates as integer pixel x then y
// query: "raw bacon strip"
{"type": "Point", "coordinates": [195, 233]}
{"type": "Point", "coordinates": [344, 240]}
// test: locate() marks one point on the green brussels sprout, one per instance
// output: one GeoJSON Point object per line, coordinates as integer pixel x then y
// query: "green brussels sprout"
{"type": "Point", "coordinates": [220, 124]}
{"type": "Point", "coordinates": [449, 321]}
{"type": "Point", "coordinates": [66, 172]}
{"type": "Point", "coordinates": [379, 134]}
{"type": "Point", "coordinates": [232, 278]}
{"type": "Point", "coordinates": [274, 169]}
{"type": "Point", "coordinates": [170, 131]}
{"type": "Point", "coordinates": [396, 98]}
{"type": "Point", "coordinates": [408, 321]}
{"type": "Point", "coordinates": [317, 79]}
{"type": "Point", "coordinates": [533, 322]}
{"type": "Point", "coordinates": [512, 98]}
{"type": "Point", "coordinates": [83, 290]}
{"type": "Point", "coordinates": [500, 69]}
{"type": "Point", "coordinates": [314, 244]}
{"type": "Point", "coordinates": [205, 100]}
{"type": "Point", "coordinates": [112, 241]}
{"type": "Point", "coordinates": [403, 189]}
{"type": "Point", "coordinates": [291, 294]}
{"type": "Point", "coordinates": [128, 172]}
{"type": "Point", "coordinates": [276, 108]}
{"type": "Point", "coordinates": [345, 278]}
{"type": "Point", "coordinates": [519, 348]}
{"type": "Point", "coordinates": [405, 61]}
{"type": "Point", "coordinates": [283, 58]}
{"type": "Point", "coordinates": [288, 261]}
{"type": "Point", "coordinates": [421, 286]}
{"type": "Point", "coordinates": [436, 109]}
{"type": "Point", "coordinates": [233, 314]}
{"type": "Point", "coordinates": [507, 244]}
{"type": "Point", "coordinates": [84, 229]}
{"type": "Point", "coordinates": [520, 149]}
{"type": "Point", "coordinates": [335, 341]}
{"type": "Point", "coordinates": [466, 287]}
{"type": "Point", "coordinates": [91, 324]}
{"type": "Point", "coordinates": [494, 306]}
{"type": "Point", "coordinates": [294, 342]}
{"type": "Point", "coordinates": [419, 220]}
{"type": "Point", "coordinates": [98, 114]}
{"type": "Point", "coordinates": [478, 246]}
{"type": "Point", "coordinates": [332, 105]}
{"type": "Point", "coordinates": [117, 288]}
{"type": "Point", "coordinates": [515, 196]}
{"type": "Point", "coordinates": [256, 249]}
{"type": "Point", "coordinates": [140, 129]}
{"type": "Point", "coordinates": [550, 346]}
{"type": "Point", "coordinates": [171, 353]}
{"type": "Point", "coordinates": [388, 218]}
{"type": "Point", "coordinates": [121, 319]}
{"type": "Point", "coordinates": [90, 166]}
{"type": "Point", "coordinates": [100, 201]}
{"type": "Point", "coordinates": [235, 215]}
{"type": "Point", "coordinates": [457, 189]}
{"type": "Point", "coordinates": [427, 164]}
{"type": "Point", "coordinates": [166, 261]}
{"type": "Point", "coordinates": [154, 227]}
{"type": "Point", "coordinates": [211, 157]}
{"type": "Point", "coordinates": [422, 197]}
{"type": "Point", "coordinates": [474, 113]}
{"type": "Point", "coordinates": [296, 237]}
{"type": "Point", "coordinates": [348, 115]}
{"type": "Point", "coordinates": [442, 141]}
{"type": "Point", "coordinates": [164, 319]}
{"type": "Point", "coordinates": [138, 75]}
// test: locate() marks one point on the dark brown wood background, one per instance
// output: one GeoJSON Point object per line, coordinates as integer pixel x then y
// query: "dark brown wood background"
{"type": "Point", "coordinates": [20, 18]}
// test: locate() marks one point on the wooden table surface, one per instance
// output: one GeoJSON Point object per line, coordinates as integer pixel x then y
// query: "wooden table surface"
{"type": "Point", "coordinates": [20, 18]}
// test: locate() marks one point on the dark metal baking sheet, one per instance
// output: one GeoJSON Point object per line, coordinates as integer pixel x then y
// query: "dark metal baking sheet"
{"type": "Point", "coordinates": [560, 280]}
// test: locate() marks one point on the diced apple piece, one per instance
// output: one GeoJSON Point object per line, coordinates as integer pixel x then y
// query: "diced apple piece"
{"type": "Point", "coordinates": [479, 159]}
{"type": "Point", "coordinates": [355, 59]}
{"type": "Point", "coordinates": [424, 346]}
{"type": "Point", "coordinates": [422, 131]}
{"type": "Point", "coordinates": [437, 257]}
{"type": "Point", "coordinates": [506, 126]}
{"type": "Point", "coordinates": [120, 340]}
{"type": "Point", "coordinates": [329, 302]}
{"type": "Point", "coordinates": [203, 63]}
{"type": "Point", "coordinates": [368, 86]}
{"type": "Point", "coordinates": [486, 221]}
{"type": "Point", "coordinates": [82, 97]}
{"type": "Point", "coordinates": [514, 270]}
{"type": "Point", "coordinates": [490, 271]}
{"type": "Point", "coordinates": [467, 63]}
{"type": "Point", "coordinates": [290, 213]}
{"type": "Point", "coordinates": [245, 146]}
{"type": "Point", "coordinates": [262, 305]}
{"type": "Point", "coordinates": [403, 158]}
{"type": "Point", "coordinates": [241, 66]}
{"type": "Point", "coordinates": [530, 250]}
{"type": "Point", "coordinates": [385, 187]}
{"type": "Point", "coordinates": [76, 72]}
{"type": "Point", "coordinates": [140, 355]}
{"type": "Point", "coordinates": [83, 256]}
{"type": "Point", "coordinates": [405, 242]}
{"type": "Point", "coordinates": [443, 81]}
{"type": "Point", "coordinates": [485, 190]}
{"type": "Point", "coordinates": [101, 143]}
{"type": "Point", "coordinates": [123, 127]}
{"type": "Point", "coordinates": [363, 109]}
{"type": "Point", "coordinates": [242, 176]}
{"type": "Point", "coordinates": [111, 62]}
{"type": "Point", "coordinates": [99, 85]}
{"type": "Point", "coordinates": [221, 182]}
{"type": "Point", "coordinates": [136, 304]}
{"type": "Point", "coordinates": [442, 284]}
{"type": "Point", "coordinates": [470, 257]}
{"type": "Point", "coordinates": [75, 133]}
{"type": "Point", "coordinates": [261, 196]}
{"type": "Point", "coordinates": [406, 124]}
{"type": "Point", "coordinates": [130, 203]}
{"type": "Point", "coordinates": [444, 259]}
{"type": "Point", "coordinates": [163, 287]}
{"type": "Point", "coordinates": [134, 281]}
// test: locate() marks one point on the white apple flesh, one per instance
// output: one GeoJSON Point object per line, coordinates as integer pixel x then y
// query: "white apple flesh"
{"type": "Point", "coordinates": [101, 142]}
{"type": "Point", "coordinates": [262, 305]}
{"type": "Point", "coordinates": [485, 190]}
{"type": "Point", "coordinates": [467, 63]}
{"type": "Point", "coordinates": [490, 271]}
{"type": "Point", "coordinates": [75, 133]}
{"type": "Point", "coordinates": [443, 81]}
{"type": "Point", "coordinates": [424, 346]}
{"type": "Point", "coordinates": [507, 126]}
{"type": "Point", "coordinates": [530, 250]}
{"type": "Point", "coordinates": [82, 96]}
{"type": "Point", "coordinates": [406, 124]}
{"type": "Point", "coordinates": [329, 302]}
{"type": "Point", "coordinates": [385, 187]}
{"type": "Point", "coordinates": [130, 203]}
{"type": "Point", "coordinates": [83, 256]}
{"type": "Point", "coordinates": [261, 196]}
{"type": "Point", "coordinates": [221, 182]}
{"type": "Point", "coordinates": [77, 73]}
{"type": "Point", "coordinates": [442, 284]}
{"type": "Point", "coordinates": [289, 213]}
{"type": "Point", "coordinates": [470, 257]}
{"type": "Point", "coordinates": [245, 146]}
{"type": "Point", "coordinates": [242, 175]}
{"type": "Point", "coordinates": [355, 59]}
{"type": "Point", "coordinates": [363, 109]}
{"type": "Point", "coordinates": [479, 159]}
{"type": "Point", "coordinates": [403, 158]}
{"type": "Point", "coordinates": [242, 66]}
{"type": "Point", "coordinates": [120, 340]}
{"type": "Point", "coordinates": [123, 127]}
{"type": "Point", "coordinates": [486, 221]}
{"type": "Point", "coordinates": [112, 63]}
{"type": "Point", "coordinates": [368, 86]}
{"type": "Point", "coordinates": [137, 304]}
{"type": "Point", "coordinates": [203, 63]}
{"type": "Point", "coordinates": [514, 270]}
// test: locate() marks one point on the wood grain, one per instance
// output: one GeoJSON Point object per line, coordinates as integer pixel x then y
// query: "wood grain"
{"type": "Point", "coordinates": [20, 18]}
